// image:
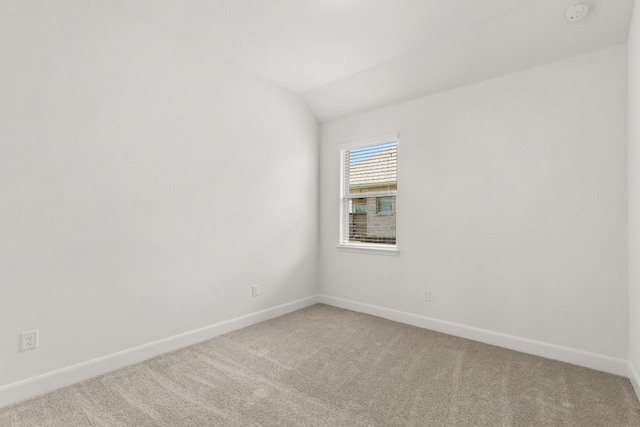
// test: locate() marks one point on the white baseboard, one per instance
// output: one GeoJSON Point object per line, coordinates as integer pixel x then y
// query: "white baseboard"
{"type": "Point", "coordinates": [50, 381]}
{"type": "Point", "coordinates": [635, 379]}
{"type": "Point", "coordinates": [551, 351]}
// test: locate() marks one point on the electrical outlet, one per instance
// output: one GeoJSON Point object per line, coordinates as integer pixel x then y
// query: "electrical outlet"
{"type": "Point", "coordinates": [255, 290]}
{"type": "Point", "coordinates": [28, 340]}
{"type": "Point", "coordinates": [426, 294]}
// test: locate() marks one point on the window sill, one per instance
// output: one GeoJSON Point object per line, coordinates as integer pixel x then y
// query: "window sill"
{"type": "Point", "coordinates": [370, 249]}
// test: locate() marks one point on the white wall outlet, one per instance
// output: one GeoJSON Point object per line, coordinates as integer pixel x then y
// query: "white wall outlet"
{"type": "Point", "coordinates": [28, 340]}
{"type": "Point", "coordinates": [426, 294]}
{"type": "Point", "coordinates": [255, 290]}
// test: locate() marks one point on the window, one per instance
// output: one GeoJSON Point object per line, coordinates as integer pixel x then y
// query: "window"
{"type": "Point", "coordinates": [384, 204]}
{"type": "Point", "coordinates": [368, 194]}
{"type": "Point", "coordinates": [361, 205]}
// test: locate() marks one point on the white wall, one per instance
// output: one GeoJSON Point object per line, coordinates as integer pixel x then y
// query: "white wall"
{"type": "Point", "coordinates": [634, 198]}
{"type": "Point", "coordinates": [511, 208]}
{"type": "Point", "coordinates": [143, 189]}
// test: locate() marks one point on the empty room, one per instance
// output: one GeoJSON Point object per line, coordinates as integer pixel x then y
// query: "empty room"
{"type": "Point", "coordinates": [319, 213]}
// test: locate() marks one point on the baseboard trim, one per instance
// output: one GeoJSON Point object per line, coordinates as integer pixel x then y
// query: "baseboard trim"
{"type": "Point", "coordinates": [35, 386]}
{"type": "Point", "coordinates": [551, 351]}
{"type": "Point", "coordinates": [635, 379]}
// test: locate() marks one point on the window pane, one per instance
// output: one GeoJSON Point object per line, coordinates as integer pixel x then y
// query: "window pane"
{"type": "Point", "coordinates": [368, 225]}
{"type": "Point", "coordinates": [361, 205]}
{"type": "Point", "coordinates": [373, 168]}
{"type": "Point", "coordinates": [384, 204]}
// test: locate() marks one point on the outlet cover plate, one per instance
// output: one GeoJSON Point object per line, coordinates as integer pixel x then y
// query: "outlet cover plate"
{"type": "Point", "coordinates": [28, 340]}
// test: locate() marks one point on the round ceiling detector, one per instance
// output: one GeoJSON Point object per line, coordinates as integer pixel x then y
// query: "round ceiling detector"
{"type": "Point", "coordinates": [577, 12]}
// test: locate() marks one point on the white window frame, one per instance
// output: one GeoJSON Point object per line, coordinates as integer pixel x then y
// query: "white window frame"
{"type": "Point", "coordinates": [343, 242]}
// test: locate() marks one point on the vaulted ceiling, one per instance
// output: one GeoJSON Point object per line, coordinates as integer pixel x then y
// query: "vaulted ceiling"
{"type": "Point", "coordinates": [347, 56]}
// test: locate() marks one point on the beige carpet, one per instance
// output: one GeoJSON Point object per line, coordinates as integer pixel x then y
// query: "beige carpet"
{"type": "Point", "coordinates": [324, 366]}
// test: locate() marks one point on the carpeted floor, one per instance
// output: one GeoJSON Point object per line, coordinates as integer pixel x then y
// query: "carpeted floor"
{"type": "Point", "coordinates": [323, 366]}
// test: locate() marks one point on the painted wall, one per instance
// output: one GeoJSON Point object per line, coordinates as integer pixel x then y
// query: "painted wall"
{"type": "Point", "coordinates": [511, 206]}
{"type": "Point", "coordinates": [634, 197]}
{"type": "Point", "coordinates": [143, 188]}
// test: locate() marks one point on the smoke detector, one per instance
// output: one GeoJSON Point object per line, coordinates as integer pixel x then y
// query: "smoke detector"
{"type": "Point", "coordinates": [577, 12]}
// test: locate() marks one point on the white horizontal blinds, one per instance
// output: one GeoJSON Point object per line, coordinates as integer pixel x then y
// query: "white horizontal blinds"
{"type": "Point", "coordinates": [369, 181]}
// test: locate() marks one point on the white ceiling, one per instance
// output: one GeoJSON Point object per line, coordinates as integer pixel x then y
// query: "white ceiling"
{"type": "Point", "coordinates": [347, 56]}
